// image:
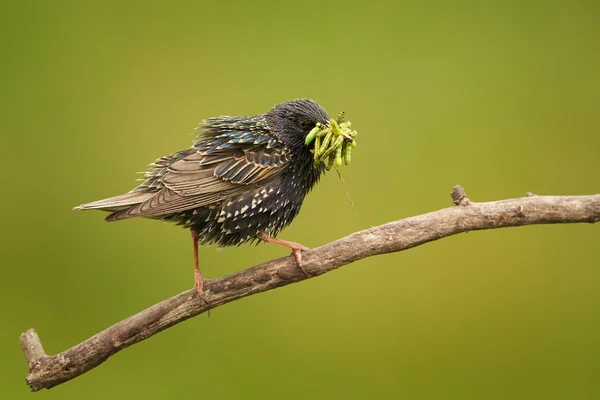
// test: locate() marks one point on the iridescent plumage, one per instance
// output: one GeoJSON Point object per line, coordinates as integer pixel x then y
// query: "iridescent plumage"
{"type": "Point", "coordinates": [243, 179]}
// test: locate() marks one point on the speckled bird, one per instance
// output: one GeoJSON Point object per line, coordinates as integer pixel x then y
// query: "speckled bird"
{"type": "Point", "coordinates": [244, 179]}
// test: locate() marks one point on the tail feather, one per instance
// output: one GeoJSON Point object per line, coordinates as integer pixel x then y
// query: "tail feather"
{"type": "Point", "coordinates": [118, 215]}
{"type": "Point", "coordinates": [116, 203]}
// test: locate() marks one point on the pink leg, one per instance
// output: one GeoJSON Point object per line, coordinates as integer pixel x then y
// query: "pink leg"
{"type": "Point", "coordinates": [297, 248]}
{"type": "Point", "coordinates": [198, 280]}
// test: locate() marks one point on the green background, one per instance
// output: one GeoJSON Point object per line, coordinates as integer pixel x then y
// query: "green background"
{"type": "Point", "coordinates": [501, 97]}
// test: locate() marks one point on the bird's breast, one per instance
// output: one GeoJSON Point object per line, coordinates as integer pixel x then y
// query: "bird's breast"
{"type": "Point", "coordinates": [268, 208]}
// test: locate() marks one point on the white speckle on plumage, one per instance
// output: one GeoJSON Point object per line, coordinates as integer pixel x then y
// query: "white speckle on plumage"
{"type": "Point", "coordinates": [229, 215]}
{"type": "Point", "coordinates": [221, 220]}
{"type": "Point", "coordinates": [253, 206]}
{"type": "Point", "coordinates": [271, 190]}
{"type": "Point", "coordinates": [229, 203]}
{"type": "Point", "coordinates": [237, 227]}
{"type": "Point", "coordinates": [243, 210]}
{"type": "Point", "coordinates": [222, 212]}
{"type": "Point", "coordinates": [228, 231]}
{"type": "Point", "coordinates": [235, 214]}
{"type": "Point", "coordinates": [260, 210]}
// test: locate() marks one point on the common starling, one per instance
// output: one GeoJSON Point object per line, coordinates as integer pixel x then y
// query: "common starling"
{"type": "Point", "coordinates": [244, 179]}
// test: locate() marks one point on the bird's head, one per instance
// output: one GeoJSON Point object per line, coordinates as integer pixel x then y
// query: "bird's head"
{"type": "Point", "coordinates": [293, 120]}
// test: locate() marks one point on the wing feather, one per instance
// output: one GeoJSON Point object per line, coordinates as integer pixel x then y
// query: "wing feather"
{"type": "Point", "coordinates": [223, 162]}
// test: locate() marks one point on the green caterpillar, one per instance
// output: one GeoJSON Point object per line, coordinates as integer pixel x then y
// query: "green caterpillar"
{"type": "Point", "coordinates": [333, 142]}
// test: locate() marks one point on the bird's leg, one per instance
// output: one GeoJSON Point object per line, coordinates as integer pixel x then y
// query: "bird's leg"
{"type": "Point", "coordinates": [199, 282]}
{"type": "Point", "coordinates": [197, 275]}
{"type": "Point", "coordinates": [297, 248]}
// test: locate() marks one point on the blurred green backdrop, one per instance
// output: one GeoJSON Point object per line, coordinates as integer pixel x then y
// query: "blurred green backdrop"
{"type": "Point", "coordinates": [499, 96]}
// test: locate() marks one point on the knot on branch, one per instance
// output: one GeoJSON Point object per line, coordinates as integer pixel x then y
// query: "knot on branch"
{"type": "Point", "coordinates": [459, 197]}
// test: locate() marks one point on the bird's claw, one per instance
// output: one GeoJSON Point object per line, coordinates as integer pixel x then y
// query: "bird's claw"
{"type": "Point", "coordinates": [297, 253]}
{"type": "Point", "coordinates": [297, 248]}
{"type": "Point", "coordinates": [199, 286]}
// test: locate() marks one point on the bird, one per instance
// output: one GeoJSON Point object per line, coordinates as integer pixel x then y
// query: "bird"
{"type": "Point", "coordinates": [243, 180]}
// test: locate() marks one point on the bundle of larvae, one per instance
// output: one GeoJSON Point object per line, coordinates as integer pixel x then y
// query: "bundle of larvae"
{"type": "Point", "coordinates": [333, 142]}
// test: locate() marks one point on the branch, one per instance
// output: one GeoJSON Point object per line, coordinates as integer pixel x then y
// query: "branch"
{"type": "Point", "coordinates": [48, 371]}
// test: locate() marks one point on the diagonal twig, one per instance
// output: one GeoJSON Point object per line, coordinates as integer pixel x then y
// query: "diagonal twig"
{"type": "Point", "coordinates": [46, 371]}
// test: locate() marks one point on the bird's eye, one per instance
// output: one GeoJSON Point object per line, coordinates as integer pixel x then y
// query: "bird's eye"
{"type": "Point", "coordinates": [305, 124]}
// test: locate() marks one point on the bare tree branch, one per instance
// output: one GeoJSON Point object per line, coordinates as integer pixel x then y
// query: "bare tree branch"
{"type": "Point", "coordinates": [48, 371]}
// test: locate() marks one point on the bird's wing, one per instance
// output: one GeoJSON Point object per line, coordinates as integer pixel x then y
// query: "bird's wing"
{"type": "Point", "coordinates": [209, 172]}
{"type": "Point", "coordinates": [219, 166]}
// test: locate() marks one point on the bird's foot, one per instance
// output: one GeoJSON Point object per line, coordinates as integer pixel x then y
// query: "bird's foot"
{"type": "Point", "coordinates": [297, 248]}
{"type": "Point", "coordinates": [297, 252]}
{"type": "Point", "coordinates": [199, 285]}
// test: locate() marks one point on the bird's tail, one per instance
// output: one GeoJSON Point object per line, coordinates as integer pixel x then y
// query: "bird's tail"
{"type": "Point", "coordinates": [117, 203]}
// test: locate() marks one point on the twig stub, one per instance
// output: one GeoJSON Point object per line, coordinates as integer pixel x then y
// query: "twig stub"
{"type": "Point", "coordinates": [35, 356]}
{"type": "Point", "coordinates": [32, 347]}
{"type": "Point", "coordinates": [459, 197]}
